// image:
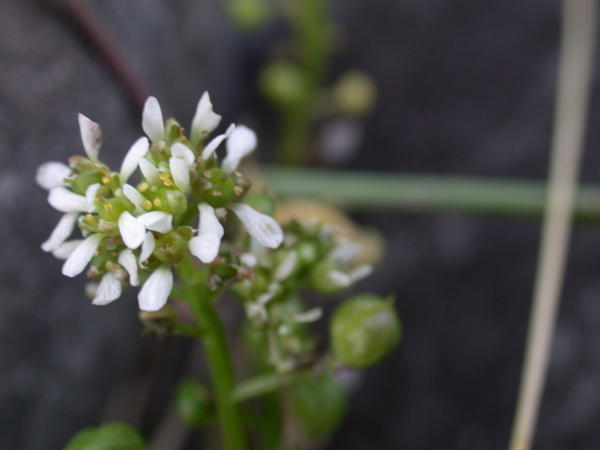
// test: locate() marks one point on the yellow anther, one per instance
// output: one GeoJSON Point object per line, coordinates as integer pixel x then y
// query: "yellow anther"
{"type": "Point", "coordinates": [90, 219]}
{"type": "Point", "coordinates": [108, 207]}
{"type": "Point", "coordinates": [105, 180]}
{"type": "Point", "coordinates": [216, 193]}
{"type": "Point", "coordinates": [163, 176]}
{"type": "Point", "coordinates": [157, 202]}
{"type": "Point", "coordinates": [238, 191]}
{"type": "Point", "coordinates": [147, 205]}
{"type": "Point", "coordinates": [168, 183]}
{"type": "Point", "coordinates": [207, 173]}
{"type": "Point", "coordinates": [143, 187]}
{"type": "Point", "coordinates": [237, 173]}
{"type": "Point", "coordinates": [110, 266]}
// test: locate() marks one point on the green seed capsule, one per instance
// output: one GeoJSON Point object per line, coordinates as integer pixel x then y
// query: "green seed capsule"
{"type": "Point", "coordinates": [321, 280]}
{"type": "Point", "coordinates": [220, 189]}
{"type": "Point", "coordinates": [319, 404]}
{"type": "Point", "coordinates": [171, 247]}
{"type": "Point", "coordinates": [363, 330]}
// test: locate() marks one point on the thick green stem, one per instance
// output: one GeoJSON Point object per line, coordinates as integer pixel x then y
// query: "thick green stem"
{"type": "Point", "coordinates": [221, 370]}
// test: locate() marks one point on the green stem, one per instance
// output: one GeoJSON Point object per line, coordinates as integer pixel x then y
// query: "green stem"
{"type": "Point", "coordinates": [509, 198]}
{"type": "Point", "coordinates": [221, 370]}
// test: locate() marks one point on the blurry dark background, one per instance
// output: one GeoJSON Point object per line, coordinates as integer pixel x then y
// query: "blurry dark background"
{"type": "Point", "coordinates": [465, 87]}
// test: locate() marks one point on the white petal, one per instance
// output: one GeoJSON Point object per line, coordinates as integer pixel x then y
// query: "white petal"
{"type": "Point", "coordinates": [152, 120]}
{"type": "Point", "coordinates": [147, 246]}
{"type": "Point", "coordinates": [81, 256]}
{"type": "Point", "coordinates": [248, 259]}
{"type": "Point", "coordinates": [261, 227]}
{"type": "Point", "coordinates": [61, 232]}
{"type": "Point", "coordinates": [215, 142]}
{"type": "Point", "coordinates": [286, 267]}
{"type": "Point", "coordinates": [156, 290]}
{"type": "Point", "coordinates": [150, 172]}
{"type": "Point", "coordinates": [64, 200]}
{"type": "Point", "coordinates": [241, 142]}
{"type": "Point", "coordinates": [157, 221]}
{"type": "Point", "coordinates": [133, 157]}
{"type": "Point", "coordinates": [206, 245]}
{"type": "Point", "coordinates": [90, 196]}
{"type": "Point", "coordinates": [340, 278]}
{"type": "Point", "coordinates": [133, 195]}
{"type": "Point", "coordinates": [205, 120]}
{"type": "Point", "coordinates": [91, 136]}
{"type": "Point", "coordinates": [180, 171]}
{"type": "Point", "coordinates": [64, 250]}
{"type": "Point", "coordinates": [178, 150]}
{"type": "Point", "coordinates": [312, 315]}
{"type": "Point", "coordinates": [52, 174]}
{"type": "Point", "coordinates": [108, 290]}
{"type": "Point", "coordinates": [132, 230]}
{"type": "Point", "coordinates": [345, 252]}
{"type": "Point", "coordinates": [127, 260]}
{"type": "Point", "coordinates": [360, 272]}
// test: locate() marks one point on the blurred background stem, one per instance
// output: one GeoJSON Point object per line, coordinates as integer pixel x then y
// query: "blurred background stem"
{"type": "Point", "coordinates": [501, 197]}
{"type": "Point", "coordinates": [574, 73]}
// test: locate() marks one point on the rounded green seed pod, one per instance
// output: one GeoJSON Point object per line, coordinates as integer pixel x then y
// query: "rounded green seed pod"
{"type": "Point", "coordinates": [171, 247]}
{"type": "Point", "coordinates": [319, 404]}
{"type": "Point", "coordinates": [283, 84]}
{"type": "Point", "coordinates": [220, 188]}
{"type": "Point", "coordinates": [192, 403]}
{"type": "Point", "coordinates": [363, 330]}
{"type": "Point", "coordinates": [354, 94]}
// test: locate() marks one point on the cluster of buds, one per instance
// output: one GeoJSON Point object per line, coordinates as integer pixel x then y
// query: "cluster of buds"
{"type": "Point", "coordinates": [139, 233]}
{"type": "Point", "coordinates": [311, 256]}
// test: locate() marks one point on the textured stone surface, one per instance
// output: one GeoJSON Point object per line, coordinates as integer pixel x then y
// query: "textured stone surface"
{"type": "Point", "coordinates": [465, 88]}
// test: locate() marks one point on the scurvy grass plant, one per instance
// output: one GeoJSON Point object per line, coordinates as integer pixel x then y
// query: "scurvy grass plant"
{"type": "Point", "coordinates": [140, 229]}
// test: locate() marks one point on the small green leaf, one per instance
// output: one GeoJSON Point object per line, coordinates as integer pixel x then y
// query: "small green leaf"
{"type": "Point", "coordinates": [110, 436]}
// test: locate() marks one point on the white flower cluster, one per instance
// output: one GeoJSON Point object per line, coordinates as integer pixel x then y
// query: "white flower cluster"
{"type": "Point", "coordinates": [130, 231]}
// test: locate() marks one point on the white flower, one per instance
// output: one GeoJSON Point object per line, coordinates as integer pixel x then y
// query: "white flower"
{"type": "Point", "coordinates": [129, 263]}
{"type": "Point", "coordinates": [206, 245]}
{"type": "Point", "coordinates": [261, 227]}
{"type": "Point", "coordinates": [152, 120]}
{"type": "Point", "coordinates": [150, 172]}
{"type": "Point", "coordinates": [133, 229]}
{"type": "Point", "coordinates": [287, 266]}
{"type": "Point", "coordinates": [205, 119]}
{"type": "Point", "coordinates": [64, 250]}
{"type": "Point", "coordinates": [132, 159]}
{"type": "Point", "coordinates": [241, 142]}
{"type": "Point", "coordinates": [156, 290]}
{"type": "Point", "coordinates": [61, 232]}
{"type": "Point", "coordinates": [108, 290]}
{"type": "Point", "coordinates": [81, 256]}
{"type": "Point", "coordinates": [311, 315]}
{"type": "Point", "coordinates": [52, 174]}
{"type": "Point", "coordinates": [147, 247]}
{"type": "Point", "coordinates": [215, 142]}
{"type": "Point", "coordinates": [345, 279]}
{"type": "Point", "coordinates": [64, 200]}
{"type": "Point", "coordinates": [91, 136]}
{"type": "Point", "coordinates": [180, 163]}
{"type": "Point", "coordinates": [134, 196]}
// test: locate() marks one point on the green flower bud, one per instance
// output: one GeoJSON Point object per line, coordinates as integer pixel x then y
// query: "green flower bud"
{"type": "Point", "coordinates": [354, 94]}
{"type": "Point", "coordinates": [84, 180]}
{"type": "Point", "coordinates": [220, 189]}
{"type": "Point", "coordinates": [320, 404]}
{"type": "Point", "coordinates": [176, 201]}
{"type": "Point", "coordinates": [320, 278]}
{"type": "Point", "coordinates": [192, 403]}
{"type": "Point", "coordinates": [308, 252]}
{"type": "Point", "coordinates": [363, 330]}
{"type": "Point", "coordinates": [283, 84]}
{"type": "Point", "coordinates": [171, 247]}
{"type": "Point", "coordinates": [249, 14]}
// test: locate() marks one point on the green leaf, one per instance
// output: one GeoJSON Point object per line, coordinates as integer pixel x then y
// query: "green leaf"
{"type": "Point", "coordinates": [110, 436]}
